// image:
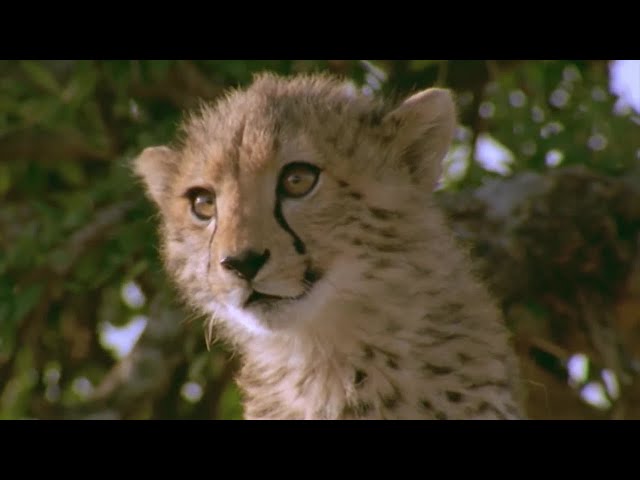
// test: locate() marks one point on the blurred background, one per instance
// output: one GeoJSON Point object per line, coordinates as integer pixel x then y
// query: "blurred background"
{"type": "Point", "coordinates": [543, 184]}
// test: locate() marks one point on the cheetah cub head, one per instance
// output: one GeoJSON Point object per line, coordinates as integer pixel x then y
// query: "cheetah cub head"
{"type": "Point", "coordinates": [280, 200]}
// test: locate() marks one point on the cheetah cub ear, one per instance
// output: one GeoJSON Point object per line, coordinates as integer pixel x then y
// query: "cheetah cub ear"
{"type": "Point", "coordinates": [155, 166]}
{"type": "Point", "coordinates": [423, 127]}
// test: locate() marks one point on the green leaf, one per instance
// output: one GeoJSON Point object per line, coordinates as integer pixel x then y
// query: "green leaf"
{"type": "Point", "coordinates": [8, 103]}
{"type": "Point", "coordinates": [7, 330]}
{"type": "Point", "coordinates": [72, 173]}
{"type": "Point", "coordinates": [417, 65]}
{"type": "Point", "coordinates": [159, 68]}
{"type": "Point", "coordinates": [19, 389]}
{"type": "Point", "coordinates": [38, 110]}
{"type": "Point", "coordinates": [197, 367]}
{"type": "Point", "coordinates": [5, 316]}
{"type": "Point", "coordinates": [230, 403]}
{"type": "Point", "coordinates": [82, 85]}
{"type": "Point", "coordinates": [5, 179]}
{"type": "Point", "coordinates": [26, 300]}
{"type": "Point", "coordinates": [40, 76]}
{"type": "Point", "coordinates": [138, 268]}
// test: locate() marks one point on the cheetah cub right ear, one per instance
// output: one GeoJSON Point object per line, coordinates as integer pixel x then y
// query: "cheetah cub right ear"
{"type": "Point", "coordinates": [423, 127]}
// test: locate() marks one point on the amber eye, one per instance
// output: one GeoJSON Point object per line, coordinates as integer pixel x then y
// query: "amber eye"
{"type": "Point", "coordinates": [203, 203]}
{"type": "Point", "coordinates": [298, 179]}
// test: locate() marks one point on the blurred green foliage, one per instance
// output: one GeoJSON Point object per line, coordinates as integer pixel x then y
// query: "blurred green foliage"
{"type": "Point", "coordinates": [75, 226]}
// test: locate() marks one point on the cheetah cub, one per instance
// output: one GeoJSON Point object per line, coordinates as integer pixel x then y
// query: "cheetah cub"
{"type": "Point", "coordinates": [298, 215]}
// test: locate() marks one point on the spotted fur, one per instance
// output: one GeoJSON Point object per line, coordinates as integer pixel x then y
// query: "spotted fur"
{"type": "Point", "coordinates": [384, 319]}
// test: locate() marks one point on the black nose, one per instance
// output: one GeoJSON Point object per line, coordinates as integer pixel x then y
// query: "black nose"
{"type": "Point", "coordinates": [247, 264]}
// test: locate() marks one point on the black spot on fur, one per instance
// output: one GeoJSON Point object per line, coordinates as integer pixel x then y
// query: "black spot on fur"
{"type": "Point", "coordinates": [369, 354]}
{"type": "Point", "coordinates": [392, 400]}
{"type": "Point", "coordinates": [433, 292]}
{"type": "Point", "coordinates": [361, 376]}
{"type": "Point", "coordinates": [498, 383]}
{"type": "Point", "coordinates": [392, 327]}
{"type": "Point", "coordinates": [366, 227]}
{"type": "Point", "coordinates": [437, 369]}
{"type": "Point", "coordinates": [342, 184]}
{"type": "Point", "coordinates": [392, 363]}
{"type": "Point", "coordinates": [383, 232]}
{"type": "Point", "coordinates": [383, 263]}
{"type": "Point", "coordinates": [454, 397]}
{"type": "Point", "coordinates": [485, 407]}
{"type": "Point", "coordinates": [453, 308]}
{"type": "Point", "coordinates": [387, 138]}
{"type": "Point", "coordinates": [375, 118]}
{"type": "Point", "coordinates": [437, 337]}
{"type": "Point", "coordinates": [426, 404]}
{"type": "Point", "coordinates": [382, 214]}
{"type": "Point", "coordinates": [388, 248]}
{"type": "Point", "coordinates": [384, 248]}
{"type": "Point", "coordinates": [422, 271]}
{"type": "Point", "coordinates": [355, 195]}
{"type": "Point", "coordinates": [369, 275]}
{"type": "Point", "coordinates": [464, 358]}
{"type": "Point", "coordinates": [440, 415]}
{"type": "Point", "coordinates": [435, 333]}
{"type": "Point", "coordinates": [361, 408]}
{"type": "Point", "coordinates": [349, 220]}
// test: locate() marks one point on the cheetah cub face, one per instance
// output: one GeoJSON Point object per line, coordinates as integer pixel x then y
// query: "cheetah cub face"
{"type": "Point", "coordinates": [282, 199]}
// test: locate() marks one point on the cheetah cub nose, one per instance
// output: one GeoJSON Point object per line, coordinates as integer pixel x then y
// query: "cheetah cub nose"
{"type": "Point", "coordinates": [246, 264]}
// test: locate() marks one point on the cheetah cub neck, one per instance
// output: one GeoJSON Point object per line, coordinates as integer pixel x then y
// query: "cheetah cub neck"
{"type": "Point", "coordinates": [297, 214]}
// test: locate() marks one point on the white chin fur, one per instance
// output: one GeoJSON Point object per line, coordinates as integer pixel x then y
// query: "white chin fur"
{"type": "Point", "coordinates": [246, 319]}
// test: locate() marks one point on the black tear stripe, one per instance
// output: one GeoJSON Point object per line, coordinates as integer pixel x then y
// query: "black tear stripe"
{"type": "Point", "coordinates": [297, 243]}
{"type": "Point", "coordinates": [209, 249]}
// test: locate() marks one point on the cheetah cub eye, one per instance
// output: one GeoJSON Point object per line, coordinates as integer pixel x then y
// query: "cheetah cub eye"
{"type": "Point", "coordinates": [202, 203]}
{"type": "Point", "coordinates": [298, 179]}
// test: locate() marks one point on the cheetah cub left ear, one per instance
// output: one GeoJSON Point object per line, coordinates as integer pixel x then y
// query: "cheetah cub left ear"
{"type": "Point", "coordinates": [423, 127]}
{"type": "Point", "coordinates": [156, 166]}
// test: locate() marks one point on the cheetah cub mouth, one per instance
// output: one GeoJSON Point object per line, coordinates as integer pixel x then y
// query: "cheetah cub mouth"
{"type": "Point", "coordinates": [260, 299]}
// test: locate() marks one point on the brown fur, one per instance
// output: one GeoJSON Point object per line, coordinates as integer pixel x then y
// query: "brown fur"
{"type": "Point", "coordinates": [395, 325]}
